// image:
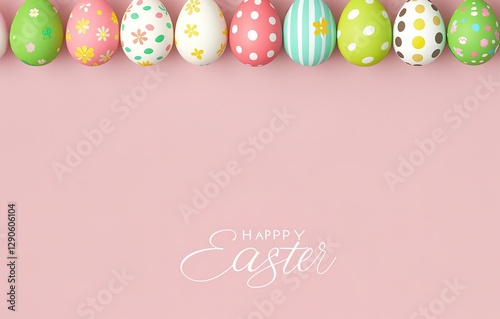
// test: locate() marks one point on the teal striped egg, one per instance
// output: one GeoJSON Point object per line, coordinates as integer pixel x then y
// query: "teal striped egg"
{"type": "Point", "coordinates": [309, 32]}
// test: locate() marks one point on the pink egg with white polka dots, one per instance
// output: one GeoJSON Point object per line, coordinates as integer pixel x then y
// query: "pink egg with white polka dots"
{"type": "Point", "coordinates": [255, 35]}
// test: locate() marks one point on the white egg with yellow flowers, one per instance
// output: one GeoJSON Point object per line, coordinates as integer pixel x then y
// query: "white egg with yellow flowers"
{"type": "Point", "coordinates": [201, 32]}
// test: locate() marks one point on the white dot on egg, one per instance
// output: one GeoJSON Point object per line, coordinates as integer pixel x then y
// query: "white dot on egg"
{"type": "Point", "coordinates": [367, 60]}
{"type": "Point", "coordinates": [272, 20]}
{"type": "Point", "coordinates": [384, 14]}
{"type": "Point", "coordinates": [239, 49]}
{"type": "Point", "coordinates": [253, 56]}
{"type": "Point", "coordinates": [273, 37]}
{"type": "Point", "coordinates": [270, 53]}
{"type": "Point", "coordinates": [258, 2]}
{"type": "Point", "coordinates": [485, 55]}
{"type": "Point", "coordinates": [239, 14]}
{"type": "Point", "coordinates": [353, 14]}
{"type": "Point", "coordinates": [338, 33]}
{"type": "Point", "coordinates": [254, 15]}
{"type": "Point", "coordinates": [351, 47]}
{"type": "Point", "coordinates": [473, 13]}
{"type": "Point", "coordinates": [369, 1]}
{"type": "Point", "coordinates": [369, 30]}
{"type": "Point", "coordinates": [252, 35]}
{"type": "Point", "coordinates": [234, 29]}
{"type": "Point", "coordinates": [385, 46]}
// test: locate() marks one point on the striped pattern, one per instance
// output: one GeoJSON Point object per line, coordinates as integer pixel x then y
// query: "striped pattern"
{"type": "Point", "coordinates": [307, 40]}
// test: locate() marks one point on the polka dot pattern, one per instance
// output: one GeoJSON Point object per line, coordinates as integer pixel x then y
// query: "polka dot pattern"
{"type": "Point", "coordinates": [366, 32]}
{"type": "Point", "coordinates": [256, 33]}
{"type": "Point", "coordinates": [148, 36]}
{"type": "Point", "coordinates": [419, 33]}
{"type": "Point", "coordinates": [474, 32]}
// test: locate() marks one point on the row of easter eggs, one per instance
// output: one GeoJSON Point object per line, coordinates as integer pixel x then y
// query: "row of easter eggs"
{"type": "Point", "coordinates": [309, 33]}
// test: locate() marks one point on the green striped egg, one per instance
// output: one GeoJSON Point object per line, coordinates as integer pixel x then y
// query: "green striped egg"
{"type": "Point", "coordinates": [309, 32]}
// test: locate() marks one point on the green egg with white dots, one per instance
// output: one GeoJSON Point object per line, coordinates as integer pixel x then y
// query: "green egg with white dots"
{"type": "Point", "coordinates": [364, 33]}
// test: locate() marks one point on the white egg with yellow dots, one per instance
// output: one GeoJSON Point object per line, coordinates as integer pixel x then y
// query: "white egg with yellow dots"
{"type": "Point", "coordinates": [419, 33]}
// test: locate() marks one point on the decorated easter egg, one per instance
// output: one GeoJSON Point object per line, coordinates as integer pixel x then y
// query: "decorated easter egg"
{"type": "Point", "coordinates": [36, 35]}
{"type": "Point", "coordinates": [4, 36]}
{"type": "Point", "coordinates": [419, 33]}
{"type": "Point", "coordinates": [474, 32]}
{"type": "Point", "coordinates": [201, 32]}
{"type": "Point", "coordinates": [92, 33]}
{"type": "Point", "coordinates": [255, 33]}
{"type": "Point", "coordinates": [147, 33]}
{"type": "Point", "coordinates": [364, 33]}
{"type": "Point", "coordinates": [309, 32]}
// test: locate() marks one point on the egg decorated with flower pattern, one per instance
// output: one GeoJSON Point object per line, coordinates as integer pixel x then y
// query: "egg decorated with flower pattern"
{"type": "Point", "coordinates": [364, 35]}
{"type": "Point", "coordinates": [146, 33]}
{"type": "Point", "coordinates": [201, 32]}
{"type": "Point", "coordinates": [419, 33]}
{"type": "Point", "coordinates": [474, 32]}
{"type": "Point", "coordinates": [4, 36]}
{"type": "Point", "coordinates": [92, 33]}
{"type": "Point", "coordinates": [255, 34]}
{"type": "Point", "coordinates": [36, 34]}
{"type": "Point", "coordinates": [309, 32]}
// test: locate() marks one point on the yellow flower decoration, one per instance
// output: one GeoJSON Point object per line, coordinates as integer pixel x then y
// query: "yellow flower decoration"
{"type": "Point", "coordinates": [191, 30]}
{"type": "Point", "coordinates": [224, 32]}
{"type": "Point", "coordinates": [320, 27]}
{"type": "Point", "coordinates": [221, 50]}
{"type": "Point", "coordinates": [82, 26]}
{"type": "Point", "coordinates": [68, 36]}
{"type": "Point", "coordinates": [114, 18]}
{"type": "Point", "coordinates": [197, 53]}
{"type": "Point", "coordinates": [145, 63]}
{"type": "Point", "coordinates": [221, 14]}
{"type": "Point", "coordinates": [84, 54]}
{"type": "Point", "coordinates": [95, 64]}
{"type": "Point", "coordinates": [192, 6]}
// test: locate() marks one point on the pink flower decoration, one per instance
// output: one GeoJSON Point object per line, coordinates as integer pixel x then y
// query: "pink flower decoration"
{"type": "Point", "coordinates": [463, 8]}
{"type": "Point", "coordinates": [453, 28]}
{"type": "Point", "coordinates": [484, 43]}
{"type": "Point", "coordinates": [487, 28]}
{"type": "Point", "coordinates": [485, 12]}
{"type": "Point", "coordinates": [497, 35]}
{"type": "Point", "coordinates": [30, 47]}
{"type": "Point", "coordinates": [474, 54]}
{"type": "Point", "coordinates": [458, 51]}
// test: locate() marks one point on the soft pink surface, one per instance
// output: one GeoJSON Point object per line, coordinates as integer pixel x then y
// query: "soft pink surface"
{"type": "Point", "coordinates": [323, 173]}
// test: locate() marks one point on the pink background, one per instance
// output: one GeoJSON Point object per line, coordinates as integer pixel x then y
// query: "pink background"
{"type": "Point", "coordinates": [323, 173]}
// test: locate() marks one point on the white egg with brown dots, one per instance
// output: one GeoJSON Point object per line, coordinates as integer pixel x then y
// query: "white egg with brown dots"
{"type": "Point", "coordinates": [419, 33]}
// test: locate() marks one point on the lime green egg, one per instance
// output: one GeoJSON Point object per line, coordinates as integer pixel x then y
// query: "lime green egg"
{"type": "Point", "coordinates": [36, 35]}
{"type": "Point", "coordinates": [364, 34]}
